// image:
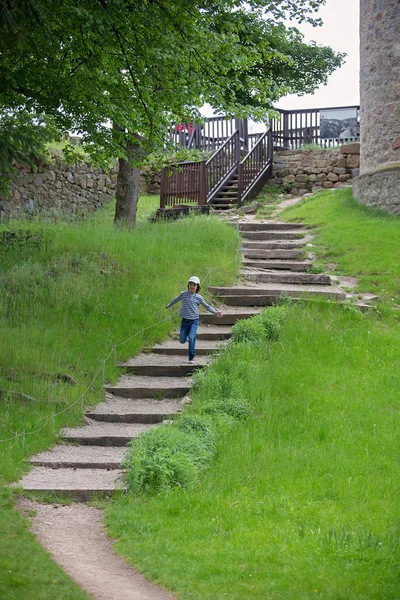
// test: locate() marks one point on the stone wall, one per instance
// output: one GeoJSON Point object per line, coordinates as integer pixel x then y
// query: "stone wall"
{"type": "Point", "coordinates": [305, 171]}
{"type": "Point", "coordinates": [378, 184]}
{"type": "Point", "coordinates": [58, 190]}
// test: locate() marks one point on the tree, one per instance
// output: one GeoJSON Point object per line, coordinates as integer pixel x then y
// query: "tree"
{"type": "Point", "coordinates": [141, 65]}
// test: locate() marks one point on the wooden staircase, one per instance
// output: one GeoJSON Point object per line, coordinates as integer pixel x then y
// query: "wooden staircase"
{"type": "Point", "coordinates": [233, 175]}
{"type": "Point", "coordinates": [227, 197]}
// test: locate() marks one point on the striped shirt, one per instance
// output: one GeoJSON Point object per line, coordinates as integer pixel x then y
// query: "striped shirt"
{"type": "Point", "coordinates": [190, 305]}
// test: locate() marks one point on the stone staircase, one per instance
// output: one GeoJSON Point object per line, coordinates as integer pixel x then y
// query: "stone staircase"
{"type": "Point", "coordinates": [88, 461]}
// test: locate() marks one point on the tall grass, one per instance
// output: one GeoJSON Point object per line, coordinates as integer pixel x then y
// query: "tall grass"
{"type": "Point", "coordinates": [69, 294]}
{"type": "Point", "coordinates": [302, 500]}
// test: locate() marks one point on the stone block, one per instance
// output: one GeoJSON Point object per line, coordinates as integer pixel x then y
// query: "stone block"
{"type": "Point", "coordinates": [350, 148]}
{"type": "Point", "coordinates": [322, 177]}
{"type": "Point", "coordinates": [333, 177]}
{"type": "Point", "coordinates": [312, 177]}
{"type": "Point", "coordinates": [316, 188]}
{"type": "Point", "coordinates": [339, 170]}
{"type": "Point", "coordinates": [302, 178]}
{"type": "Point", "coordinates": [341, 162]}
{"type": "Point", "coordinates": [327, 184]}
{"type": "Point", "coordinates": [353, 161]}
{"type": "Point", "coordinates": [344, 177]}
{"type": "Point", "coordinates": [290, 178]}
{"type": "Point", "coordinates": [321, 164]}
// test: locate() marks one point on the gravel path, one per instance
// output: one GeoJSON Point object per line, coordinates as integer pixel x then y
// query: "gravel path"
{"type": "Point", "coordinates": [75, 537]}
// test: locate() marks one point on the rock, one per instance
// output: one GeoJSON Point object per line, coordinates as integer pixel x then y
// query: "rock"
{"type": "Point", "coordinates": [249, 208]}
{"type": "Point", "coordinates": [350, 148]}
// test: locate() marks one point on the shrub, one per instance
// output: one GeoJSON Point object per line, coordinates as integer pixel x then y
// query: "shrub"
{"type": "Point", "coordinates": [262, 327]}
{"type": "Point", "coordinates": [167, 457]}
{"type": "Point", "coordinates": [237, 408]}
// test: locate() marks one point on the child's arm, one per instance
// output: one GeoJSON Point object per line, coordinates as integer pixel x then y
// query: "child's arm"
{"type": "Point", "coordinates": [210, 308]}
{"type": "Point", "coordinates": [174, 301]}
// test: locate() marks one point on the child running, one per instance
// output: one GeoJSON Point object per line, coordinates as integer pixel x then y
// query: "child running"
{"type": "Point", "coordinates": [189, 312]}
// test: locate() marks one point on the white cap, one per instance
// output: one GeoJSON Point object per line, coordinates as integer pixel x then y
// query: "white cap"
{"type": "Point", "coordinates": [194, 280]}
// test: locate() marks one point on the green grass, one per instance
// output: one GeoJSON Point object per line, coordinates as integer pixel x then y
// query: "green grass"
{"type": "Point", "coordinates": [69, 294]}
{"type": "Point", "coordinates": [269, 198]}
{"type": "Point", "coordinates": [359, 241]}
{"type": "Point", "coordinates": [302, 499]}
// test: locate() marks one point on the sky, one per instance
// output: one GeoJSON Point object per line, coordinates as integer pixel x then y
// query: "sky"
{"type": "Point", "coordinates": [340, 31]}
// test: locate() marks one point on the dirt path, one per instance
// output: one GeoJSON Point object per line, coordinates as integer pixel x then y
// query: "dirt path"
{"type": "Point", "coordinates": [75, 537]}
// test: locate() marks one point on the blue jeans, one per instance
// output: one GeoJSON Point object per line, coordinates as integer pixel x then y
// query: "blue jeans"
{"type": "Point", "coordinates": [188, 333]}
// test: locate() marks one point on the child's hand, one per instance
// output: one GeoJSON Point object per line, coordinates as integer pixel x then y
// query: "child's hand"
{"type": "Point", "coordinates": [220, 314]}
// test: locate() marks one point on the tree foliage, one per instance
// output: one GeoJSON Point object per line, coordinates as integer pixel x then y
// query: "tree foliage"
{"type": "Point", "coordinates": [90, 63]}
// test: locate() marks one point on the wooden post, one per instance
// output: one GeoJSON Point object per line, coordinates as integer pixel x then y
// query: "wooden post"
{"type": "Point", "coordinates": [285, 130]}
{"type": "Point", "coordinates": [240, 184]}
{"type": "Point", "coordinates": [202, 184]}
{"type": "Point", "coordinates": [162, 188]}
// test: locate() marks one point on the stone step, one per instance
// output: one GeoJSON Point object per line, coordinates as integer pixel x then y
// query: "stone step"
{"type": "Point", "coordinates": [274, 235]}
{"type": "Point", "coordinates": [218, 332]}
{"type": "Point", "coordinates": [278, 245]}
{"type": "Point", "coordinates": [174, 347]}
{"type": "Point", "coordinates": [78, 484]}
{"type": "Point", "coordinates": [231, 315]}
{"type": "Point", "coordinates": [269, 226]}
{"type": "Point", "coordinates": [283, 264]}
{"type": "Point", "coordinates": [273, 254]}
{"type": "Point", "coordinates": [300, 278]}
{"type": "Point", "coordinates": [132, 386]}
{"type": "Point", "coordinates": [68, 456]}
{"type": "Point", "coordinates": [162, 365]}
{"type": "Point", "coordinates": [130, 410]}
{"type": "Point", "coordinates": [95, 433]}
{"type": "Point", "coordinates": [269, 293]}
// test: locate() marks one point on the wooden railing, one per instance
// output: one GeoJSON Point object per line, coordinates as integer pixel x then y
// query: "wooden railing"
{"type": "Point", "coordinates": [184, 183]}
{"type": "Point", "coordinates": [222, 163]}
{"type": "Point", "coordinates": [210, 134]}
{"type": "Point", "coordinates": [295, 128]}
{"type": "Point", "coordinates": [255, 168]}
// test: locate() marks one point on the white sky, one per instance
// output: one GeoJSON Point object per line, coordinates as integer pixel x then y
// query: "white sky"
{"type": "Point", "coordinates": [340, 31]}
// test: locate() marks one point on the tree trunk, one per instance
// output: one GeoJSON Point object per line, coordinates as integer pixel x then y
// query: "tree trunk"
{"type": "Point", "coordinates": [127, 193]}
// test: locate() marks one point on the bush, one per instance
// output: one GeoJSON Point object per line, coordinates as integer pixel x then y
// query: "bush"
{"type": "Point", "coordinates": [239, 409]}
{"type": "Point", "coordinates": [168, 456]}
{"type": "Point", "coordinates": [262, 327]}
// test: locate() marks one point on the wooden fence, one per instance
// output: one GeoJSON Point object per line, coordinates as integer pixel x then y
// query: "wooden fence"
{"type": "Point", "coordinates": [296, 128]}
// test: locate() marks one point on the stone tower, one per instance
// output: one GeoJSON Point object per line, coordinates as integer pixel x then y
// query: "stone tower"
{"type": "Point", "coordinates": [379, 182]}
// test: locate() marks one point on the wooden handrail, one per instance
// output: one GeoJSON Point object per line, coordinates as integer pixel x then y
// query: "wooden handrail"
{"type": "Point", "coordinates": [255, 165]}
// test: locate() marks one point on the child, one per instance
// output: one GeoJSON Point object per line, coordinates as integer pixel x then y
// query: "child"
{"type": "Point", "coordinates": [190, 314]}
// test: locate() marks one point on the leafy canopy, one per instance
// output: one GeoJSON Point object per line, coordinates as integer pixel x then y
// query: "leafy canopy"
{"type": "Point", "coordinates": [90, 63]}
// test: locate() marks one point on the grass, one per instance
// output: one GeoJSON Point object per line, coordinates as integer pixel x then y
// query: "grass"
{"type": "Point", "coordinates": [302, 498]}
{"type": "Point", "coordinates": [70, 294]}
{"type": "Point", "coordinates": [358, 241]}
{"type": "Point", "coordinates": [269, 198]}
